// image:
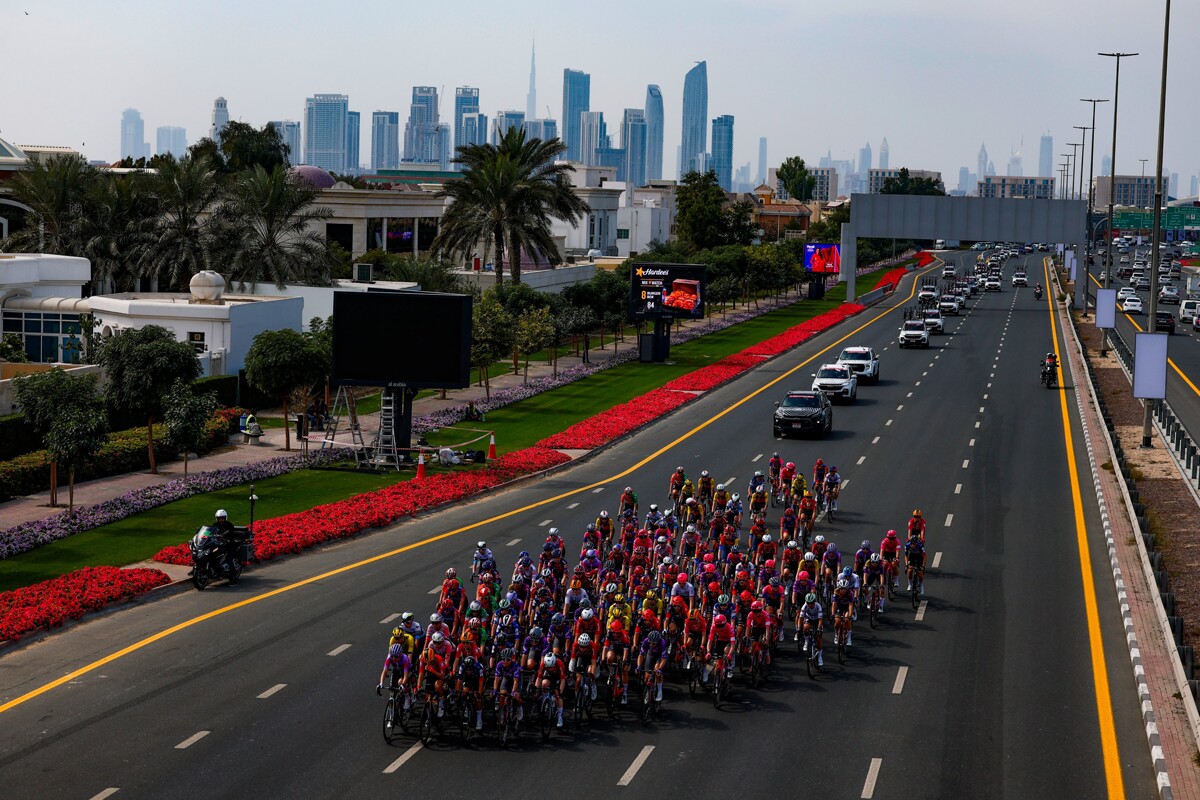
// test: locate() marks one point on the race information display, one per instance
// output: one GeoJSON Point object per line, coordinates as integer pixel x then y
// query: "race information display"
{"type": "Point", "coordinates": [667, 290]}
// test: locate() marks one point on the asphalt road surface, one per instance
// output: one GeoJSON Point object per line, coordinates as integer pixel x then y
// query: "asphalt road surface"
{"type": "Point", "coordinates": [1006, 683]}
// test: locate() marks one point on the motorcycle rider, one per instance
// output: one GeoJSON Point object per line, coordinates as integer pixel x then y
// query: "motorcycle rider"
{"type": "Point", "coordinates": [225, 535]}
{"type": "Point", "coordinates": [1050, 368]}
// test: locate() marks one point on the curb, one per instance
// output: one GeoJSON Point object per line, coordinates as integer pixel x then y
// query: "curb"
{"type": "Point", "coordinates": [1150, 721]}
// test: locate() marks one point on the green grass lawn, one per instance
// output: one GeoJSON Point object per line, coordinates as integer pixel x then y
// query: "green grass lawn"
{"type": "Point", "coordinates": [519, 425]}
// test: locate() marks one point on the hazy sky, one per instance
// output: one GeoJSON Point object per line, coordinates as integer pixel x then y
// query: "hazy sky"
{"type": "Point", "coordinates": [935, 77]}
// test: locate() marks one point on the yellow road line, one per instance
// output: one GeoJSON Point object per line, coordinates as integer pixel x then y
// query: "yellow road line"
{"type": "Point", "coordinates": [1170, 361]}
{"type": "Point", "coordinates": [1104, 713]}
{"type": "Point", "coordinates": [389, 554]}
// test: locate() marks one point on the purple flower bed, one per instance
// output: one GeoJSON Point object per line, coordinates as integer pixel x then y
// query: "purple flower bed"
{"type": "Point", "coordinates": [31, 535]}
{"type": "Point", "coordinates": [446, 417]}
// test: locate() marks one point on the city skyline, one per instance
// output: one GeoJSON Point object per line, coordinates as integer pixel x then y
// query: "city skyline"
{"type": "Point", "coordinates": [998, 101]}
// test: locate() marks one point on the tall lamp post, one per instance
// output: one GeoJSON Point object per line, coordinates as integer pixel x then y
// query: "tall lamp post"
{"type": "Point", "coordinates": [1112, 176]}
{"type": "Point", "coordinates": [1087, 261]}
{"type": "Point", "coordinates": [1091, 195]}
{"type": "Point", "coordinates": [1156, 232]}
{"type": "Point", "coordinates": [253, 498]}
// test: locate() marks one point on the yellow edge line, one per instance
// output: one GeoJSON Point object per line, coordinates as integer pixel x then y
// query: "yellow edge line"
{"type": "Point", "coordinates": [1108, 732]}
{"type": "Point", "coordinates": [389, 554]}
{"type": "Point", "coordinates": [1170, 361]}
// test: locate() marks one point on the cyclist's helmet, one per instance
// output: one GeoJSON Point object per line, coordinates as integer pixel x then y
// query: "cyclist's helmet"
{"type": "Point", "coordinates": [793, 544]}
{"type": "Point", "coordinates": [604, 515]}
{"type": "Point", "coordinates": [475, 606]}
{"type": "Point", "coordinates": [774, 581]}
{"type": "Point", "coordinates": [810, 556]}
{"type": "Point", "coordinates": [681, 578]}
{"type": "Point", "coordinates": [468, 661]}
{"type": "Point", "coordinates": [891, 534]}
{"type": "Point", "coordinates": [865, 543]}
{"type": "Point", "coordinates": [820, 462]}
{"type": "Point", "coordinates": [547, 547]}
{"type": "Point", "coordinates": [591, 553]}
{"type": "Point", "coordinates": [584, 640]}
{"type": "Point", "coordinates": [609, 588]}
{"type": "Point", "coordinates": [557, 619]}
{"type": "Point", "coordinates": [407, 616]}
{"type": "Point", "coordinates": [507, 654]}
{"type": "Point", "coordinates": [451, 573]}
{"type": "Point", "coordinates": [629, 488]}
{"type": "Point", "coordinates": [833, 469]}
{"type": "Point", "coordinates": [535, 632]}
{"type": "Point", "coordinates": [616, 626]}
{"type": "Point", "coordinates": [916, 512]}
{"type": "Point", "coordinates": [547, 572]}
{"type": "Point", "coordinates": [724, 599]}
{"type": "Point", "coordinates": [397, 631]}
{"type": "Point", "coordinates": [843, 584]}
{"type": "Point", "coordinates": [808, 494]}
{"type": "Point", "coordinates": [654, 638]}
{"type": "Point", "coordinates": [434, 619]}
{"type": "Point", "coordinates": [437, 638]}
{"type": "Point", "coordinates": [810, 598]}
{"type": "Point", "coordinates": [769, 563]}
{"type": "Point", "coordinates": [647, 611]}
{"type": "Point", "coordinates": [668, 561]}
{"type": "Point", "coordinates": [756, 605]}
{"type": "Point", "coordinates": [708, 558]}
{"type": "Point", "coordinates": [1050, 355]}
{"type": "Point", "coordinates": [475, 622]}
{"type": "Point", "coordinates": [703, 473]}
{"type": "Point", "coordinates": [746, 597]}
{"type": "Point", "coordinates": [775, 455]}
{"type": "Point", "coordinates": [505, 603]}
{"type": "Point", "coordinates": [691, 501]}
{"type": "Point", "coordinates": [618, 598]}
{"type": "Point", "coordinates": [735, 549]}
{"type": "Point", "coordinates": [650, 595]}
{"type": "Point", "coordinates": [661, 540]}
{"type": "Point", "coordinates": [585, 603]}
{"type": "Point", "coordinates": [679, 470]}
{"type": "Point", "coordinates": [587, 613]}
{"type": "Point", "coordinates": [720, 621]}
{"type": "Point", "coordinates": [875, 558]}
{"type": "Point", "coordinates": [847, 571]}
{"type": "Point", "coordinates": [758, 473]}
{"type": "Point", "coordinates": [550, 660]}
{"type": "Point", "coordinates": [481, 545]}
{"type": "Point", "coordinates": [669, 512]}
{"type": "Point", "coordinates": [714, 587]}
{"type": "Point", "coordinates": [803, 575]}
{"type": "Point", "coordinates": [710, 567]}
{"type": "Point", "coordinates": [720, 487]}
{"type": "Point", "coordinates": [820, 539]}
{"type": "Point", "coordinates": [766, 537]}
{"type": "Point", "coordinates": [591, 527]}
{"type": "Point", "coordinates": [735, 497]}
{"type": "Point", "coordinates": [833, 547]}
{"type": "Point", "coordinates": [791, 465]}
{"type": "Point", "coordinates": [395, 651]}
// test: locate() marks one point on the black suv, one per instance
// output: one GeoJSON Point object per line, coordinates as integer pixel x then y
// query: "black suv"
{"type": "Point", "coordinates": [1164, 321]}
{"type": "Point", "coordinates": [803, 412]}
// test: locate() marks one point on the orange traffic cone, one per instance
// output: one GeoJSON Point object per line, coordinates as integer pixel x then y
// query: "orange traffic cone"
{"type": "Point", "coordinates": [421, 464]}
{"type": "Point", "coordinates": [492, 449]}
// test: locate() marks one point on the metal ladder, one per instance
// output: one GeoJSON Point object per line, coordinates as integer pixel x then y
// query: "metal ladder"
{"type": "Point", "coordinates": [384, 453]}
{"type": "Point", "coordinates": [345, 402]}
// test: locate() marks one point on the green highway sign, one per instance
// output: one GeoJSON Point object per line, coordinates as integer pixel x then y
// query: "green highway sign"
{"type": "Point", "coordinates": [1142, 219]}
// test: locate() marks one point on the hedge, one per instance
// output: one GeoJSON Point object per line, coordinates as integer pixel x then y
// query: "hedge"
{"type": "Point", "coordinates": [16, 437]}
{"type": "Point", "coordinates": [124, 452]}
{"type": "Point", "coordinates": [224, 386]}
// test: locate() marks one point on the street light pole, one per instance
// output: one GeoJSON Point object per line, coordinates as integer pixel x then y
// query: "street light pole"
{"type": "Point", "coordinates": [1143, 160]}
{"type": "Point", "coordinates": [1091, 199]}
{"type": "Point", "coordinates": [1112, 176]}
{"type": "Point", "coordinates": [1156, 233]}
{"type": "Point", "coordinates": [1087, 261]}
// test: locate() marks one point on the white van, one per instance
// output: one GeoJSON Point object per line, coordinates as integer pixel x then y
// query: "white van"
{"type": "Point", "coordinates": [1188, 310]}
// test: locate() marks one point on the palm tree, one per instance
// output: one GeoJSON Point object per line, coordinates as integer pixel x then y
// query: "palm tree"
{"type": "Point", "coordinates": [56, 192]}
{"type": "Point", "coordinates": [177, 241]}
{"type": "Point", "coordinates": [114, 231]}
{"type": "Point", "coordinates": [266, 224]}
{"type": "Point", "coordinates": [508, 196]}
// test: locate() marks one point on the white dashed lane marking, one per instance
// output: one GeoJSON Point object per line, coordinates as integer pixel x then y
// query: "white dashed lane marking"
{"type": "Point", "coordinates": [937, 559]}
{"type": "Point", "coordinates": [514, 541]}
{"type": "Point", "coordinates": [861, 459]}
{"type": "Point", "coordinates": [271, 691]}
{"type": "Point", "coordinates": [966, 463]}
{"type": "Point", "coordinates": [399, 762]}
{"type": "Point", "coordinates": [756, 458]}
{"type": "Point", "coordinates": [958, 488]}
{"type": "Point", "coordinates": [191, 740]}
{"type": "Point", "coordinates": [875, 440]}
{"type": "Point", "coordinates": [389, 618]}
{"type": "Point", "coordinates": [434, 590]}
{"type": "Point", "coordinates": [544, 523]}
{"type": "Point", "coordinates": [109, 792]}
{"type": "Point", "coordinates": [341, 648]}
{"type": "Point", "coordinates": [872, 775]}
{"type": "Point", "coordinates": [949, 520]}
{"type": "Point", "coordinates": [898, 686]}
{"type": "Point", "coordinates": [573, 505]}
{"type": "Point", "coordinates": [971, 443]}
{"type": "Point", "coordinates": [632, 772]}
{"type": "Point", "coordinates": [598, 491]}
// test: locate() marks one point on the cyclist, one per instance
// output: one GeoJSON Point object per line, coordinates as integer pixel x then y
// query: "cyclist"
{"type": "Point", "coordinates": [604, 526]}
{"type": "Point", "coordinates": [675, 484]}
{"type": "Point", "coordinates": [843, 608]}
{"type": "Point", "coordinates": [833, 486]}
{"type": "Point", "coordinates": [585, 655]}
{"type": "Point", "coordinates": [654, 518]}
{"type": "Point", "coordinates": [404, 639]}
{"type": "Point", "coordinates": [799, 487]}
{"type": "Point", "coordinates": [831, 563]}
{"type": "Point", "coordinates": [819, 473]}
{"type": "Point", "coordinates": [452, 590]}
{"type": "Point", "coordinates": [719, 642]}
{"type": "Point", "coordinates": [693, 512]}
{"type": "Point", "coordinates": [482, 561]}
{"type": "Point", "coordinates": [757, 481]}
{"type": "Point", "coordinates": [552, 678]}
{"type": "Point", "coordinates": [620, 610]}
{"type": "Point", "coordinates": [733, 511]}
{"type": "Point", "coordinates": [758, 499]}
{"type": "Point", "coordinates": [588, 623]}
{"type": "Point", "coordinates": [774, 468]}
{"type": "Point", "coordinates": [410, 626]}
{"type": "Point", "coordinates": [889, 551]}
{"type": "Point", "coordinates": [801, 588]}
{"type": "Point", "coordinates": [437, 624]}
{"type": "Point", "coordinates": [872, 578]}
{"type": "Point", "coordinates": [628, 501]}
{"type": "Point", "coordinates": [813, 618]}
{"type": "Point", "coordinates": [791, 562]}
{"type": "Point", "coordinates": [469, 684]}
{"type": "Point", "coordinates": [653, 654]}
{"type": "Point", "coordinates": [693, 634]}
{"type": "Point", "coordinates": [765, 551]}
{"type": "Point", "coordinates": [682, 588]}
{"type": "Point", "coordinates": [758, 628]}
{"type": "Point", "coordinates": [432, 677]}
{"type": "Point", "coordinates": [807, 515]}
{"type": "Point", "coordinates": [772, 596]}
{"type": "Point", "coordinates": [861, 556]}
{"type": "Point", "coordinates": [616, 646]}
{"type": "Point", "coordinates": [720, 497]}
{"type": "Point", "coordinates": [914, 558]}
{"type": "Point", "coordinates": [853, 582]}
{"type": "Point", "coordinates": [399, 663]}
{"type": "Point", "coordinates": [687, 491]}
{"type": "Point", "coordinates": [533, 648]}
{"type": "Point", "coordinates": [917, 523]}
{"type": "Point", "coordinates": [705, 487]}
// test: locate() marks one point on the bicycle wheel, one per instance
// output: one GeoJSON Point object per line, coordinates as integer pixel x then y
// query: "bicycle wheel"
{"type": "Point", "coordinates": [466, 719]}
{"type": "Point", "coordinates": [916, 596]}
{"type": "Point", "coordinates": [810, 657]}
{"type": "Point", "coordinates": [874, 611]}
{"type": "Point", "coordinates": [580, 691]}
{"type": "Point", "coordinates": [891, 587]}
{"type": "Point", "coordinates": [428, 710]}
{"type": "Point", "coordinates": [547, 715]}
{"type": "Point", "coordinates": [613, 697]}
{"type": "Point", "coordinates": [406, 711]}
{"type": "Point", "coordinates": [647, 701]}
{"type": "Point", "coordinates": [756, 674]}
{"type": "Point", "coordinates": [695, 673]}
{"type": "Point", "coordinates": [841, 647]}
{"type": "Point", "coordinates": [718, 687]}
{"type": "Point", "coordinates": [389, 720]}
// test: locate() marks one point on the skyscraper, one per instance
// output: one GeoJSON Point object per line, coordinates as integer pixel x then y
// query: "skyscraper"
{"type": "Point", "coordinates": [1046, 156]}
{"type": "Point", "coordinates": [694, 139]}
{"type": "Point", "coordinates": [883, 154]}
{"type": "Point", "coordinates": [722, 150]}
{"type": "Point", "coordinates": [466, 101]}
{"type": "Point", "coordinates": [577, 98]}
{"type": "Point", "coordinates": [133, 135]}
{"type": "Point", "coordinates": [1106, 165]}
{"type": "Point", "coordinates": [504, 121]}
{"type": "Point", "coordinates": [289, 134]}
{"type": "Point", "coordinates": [864, 166]}
{"type": "Point", "coordinates": [964, 180]}
{"type": "Point", "coordinates": [633, 141]}
{"type": "Point", "coordinates": [654, 132]}
{"type": "Point", "coordinates": [385, 140]}
{"type": "Point", "coordinates": [544, 129]}
{"type": "Point", "coordinates": [1016, 166]}
{"type": "Point", "coordinates": [982, 162]}
{"type": "Point", "coordinates": [531, 97]}
{"type": "Point", "coordinates": [353, 138]}
{"type": "Point", "coordinates": [1195, 187]}
{"type": "Point", "coordinates": [474, 129]}
{"type": "Point", "coordinates": [420, 132]}
{"type": "Point", "coordinates": [171, 139]}
{"type": "Point", "coordinates": [762, 161]}
{"type": "Point", "coordinates": [326, 118]}
{"type": "Point", "coordinates": [443, 144]}
{"type": "Point", "coordinates": [592, 136]}
{"type": "Point", "coordinates": [220, 118]}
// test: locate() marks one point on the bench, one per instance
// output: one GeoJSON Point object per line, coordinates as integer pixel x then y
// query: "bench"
{"type": "Point", "coordinates": [251, 438]}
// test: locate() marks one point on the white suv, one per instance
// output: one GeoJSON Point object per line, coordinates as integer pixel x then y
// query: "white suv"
{"type": "Point", "coordinates": [836, 380]}
{"type": "Point", "coordinates": [862, 361]}
{"type": "Point", "coordinates": [1019, 279]}
{"type": "Point", "coordinates": [914, 334]}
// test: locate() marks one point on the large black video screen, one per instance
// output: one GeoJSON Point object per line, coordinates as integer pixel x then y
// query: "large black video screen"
{"type": "Point", "coordinates": [417, 339]}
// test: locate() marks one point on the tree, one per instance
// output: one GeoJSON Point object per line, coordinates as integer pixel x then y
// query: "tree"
{"type": "Point", "coordinates": [906, 184]}
{"type": "Point", "coordinates": [535, 330]}
{"type": "Point", "coordinates": [142, 364]}
{"type": "Point", "coordinates": [75, 434]}
{"type": "Point", "coordinates": [185, 415]}
{"type": "Point", "coordinates": [42, 397]}
{"type": "Point", "coordinates": [244, 147]}
{"type": "Point", "coordinates": [796, 180]}
{"type": "Point", "coordinates": [491, 336]}
{"type": "Point", "coordinates": [56, 191]}
{"type": "Point", "coordinates": [120, 210]}
{"type": "Point", "coordinates": [267, 223]}
{"type": "Point", "coordinates": [705, 218]}
{"type": "Point", "coordinates": [178, 239]}
{"type": "Point", "coordinates": [280, 362]}
{"type": "Point", "coordinates": [507, 198]}
{"type": "Point", "coordinates": [12, 348]}
{"type": "Point", "coordinates": [828, 230]}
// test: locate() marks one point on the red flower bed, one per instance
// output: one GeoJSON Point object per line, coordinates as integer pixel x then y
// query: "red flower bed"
{"type": "Point", "coordinates": [715, 374]}
{"type": "Point", "coordinates": [798, 334]}
{"type": "Point", "coordinates": [617, 421]}
{"type": "Point", "coordinates": [51, 603]}
{"type": "Point", "coordinates": [292, 533]}
{"type": "Point", "coordinates": [892, 277]}
{"type": "Point", "coordinates": [924, 259]}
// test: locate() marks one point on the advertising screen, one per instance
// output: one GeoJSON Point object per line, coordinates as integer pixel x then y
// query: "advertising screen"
{"type": "Point", "coordinates": [667, 290]}
{"type": "Point", "coordinates": [414, 339]}
{"type": "Point", "coordinates": [823, 258]}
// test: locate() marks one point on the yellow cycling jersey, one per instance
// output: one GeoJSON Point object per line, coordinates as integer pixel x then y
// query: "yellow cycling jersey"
{"type": "Point", "coordinates": [654, 604]}
{"type": "Point", "coordinates": [799, 486]}
{"type": "Point", "coordinates": [620, 611]}
{"type": "Point", "coordinates": [405, 640]}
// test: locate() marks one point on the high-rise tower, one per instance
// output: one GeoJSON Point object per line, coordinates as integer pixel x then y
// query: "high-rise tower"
{"type": "Point", "coordinates": [761, 177]}
{"type": "Point", "coordinates": [694, 138]}
{"type": "Point", "coordinates": [220, 118]}
{"type": "Point", "coordinates": [633, 141]}
{"type": "Point", "coordinates": [531, 98]}
{"type": "Point", "coordinates": [1046, 156]}
{"type": "Point", "coordinates": [420, 132]}
{"type": "Point", "coordinates": [385, 140]}
{"type": "Point", "coordinates": [577, 98]}
{"type": "Point", "coordinates": [326, 120]}
{"type": "Point", "coordinates": [982, 163]}
{"type": "Point", "coordinates": [133, 135]}
{"type": "Point", "coordinates": [883, 154]}
{"type": "Point", "coordinates": [466, 101]}
{"type": "Point", "coordinates": [722, 151]}
{"type": "Point", "coordinates": [654, 132]}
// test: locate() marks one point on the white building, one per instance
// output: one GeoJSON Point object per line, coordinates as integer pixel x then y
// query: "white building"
{"type": "Point", "coordinates": [41, 297]}
{"type": "Point", "coordinates": [649, 216]}
{"type": "Point", "coordinates": [597, 187]}
{"type": "Point", "coordinates": [876, 177]}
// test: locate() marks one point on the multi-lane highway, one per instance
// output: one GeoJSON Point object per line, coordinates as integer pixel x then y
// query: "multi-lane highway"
{"type": "Point", "coordinates": [1012, 680]}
